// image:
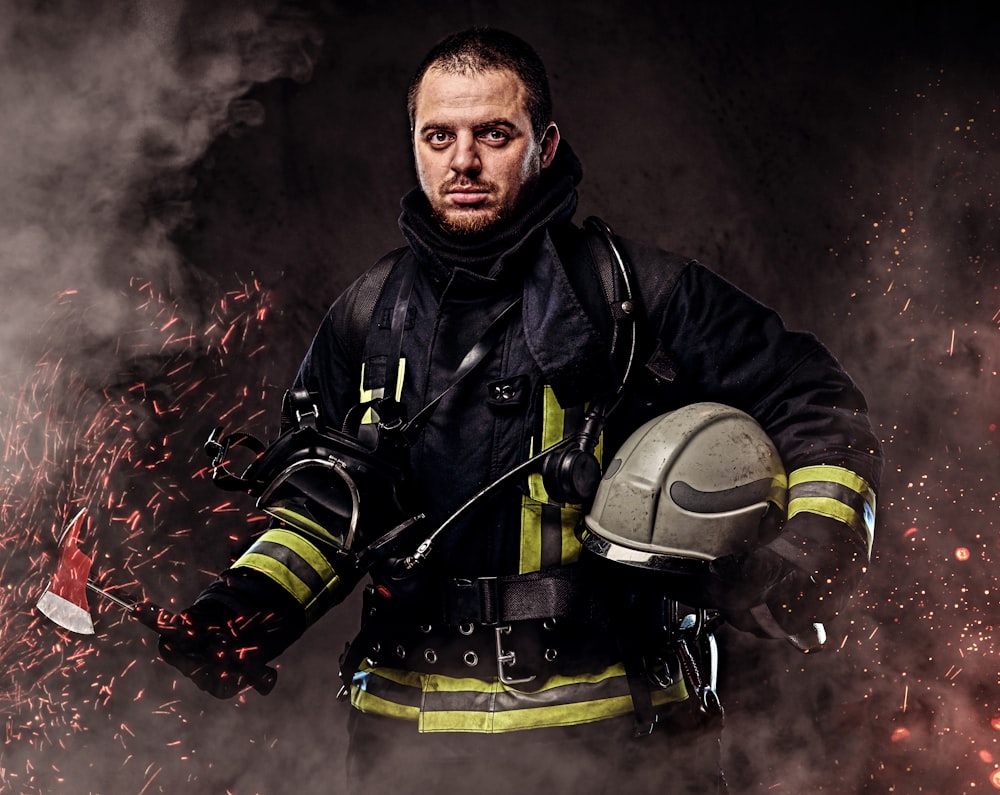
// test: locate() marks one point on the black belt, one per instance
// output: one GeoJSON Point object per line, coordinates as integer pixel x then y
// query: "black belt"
{"type": "Point", "coordinates": [526, 650]}
{"type": "Point", "coordinates": [543, 597]}
{"type": "Point", "coordinates": [490, 601]}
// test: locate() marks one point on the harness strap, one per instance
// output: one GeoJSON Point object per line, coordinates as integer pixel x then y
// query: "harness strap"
{"type": "Point", "coordinates": [396, 329]}
{"type": "Point", "coordinates": [365, 301]}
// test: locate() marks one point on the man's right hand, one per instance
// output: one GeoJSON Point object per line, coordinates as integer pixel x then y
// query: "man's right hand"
{"type": "Point", "coordinates": [213, 648]}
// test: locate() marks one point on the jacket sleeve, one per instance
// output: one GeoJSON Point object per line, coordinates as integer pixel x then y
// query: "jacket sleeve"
{"type": "Point", "coordinates": [294, 572]}
{"type": "Point", "coordinates": [728, 347]}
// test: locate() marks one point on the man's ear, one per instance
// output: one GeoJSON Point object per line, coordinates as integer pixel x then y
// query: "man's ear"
{"type": "Point", "coordinates": [550, 142]}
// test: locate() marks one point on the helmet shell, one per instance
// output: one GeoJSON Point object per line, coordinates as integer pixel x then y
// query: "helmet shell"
{"type": "Point", "coordinates": [685, 488]}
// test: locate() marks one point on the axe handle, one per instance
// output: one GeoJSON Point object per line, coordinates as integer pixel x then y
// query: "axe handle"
{"type": "Point", "coordinates": [262, 677]}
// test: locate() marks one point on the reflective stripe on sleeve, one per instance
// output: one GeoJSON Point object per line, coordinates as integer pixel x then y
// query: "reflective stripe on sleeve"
{"type": "Point", "coordinates": [836, 493]}
{"type": "Point", "coordinates": [292, 562]}
{"type": "Point", "coordinates": [302, 522]}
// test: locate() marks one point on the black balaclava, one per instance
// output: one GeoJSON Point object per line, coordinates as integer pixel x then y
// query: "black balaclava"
{"type": "Point", "coordinates": [553, 201]}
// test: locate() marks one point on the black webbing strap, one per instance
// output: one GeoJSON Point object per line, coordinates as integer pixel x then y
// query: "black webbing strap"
{"type": "Point", "coordinates": [365, 301]}
{"type": "Point", "coordinates": [363, 644]}
{"type": "Point", "coordinates": [489, 601]}
{"type": "Point", "coordinates": [396, 329]}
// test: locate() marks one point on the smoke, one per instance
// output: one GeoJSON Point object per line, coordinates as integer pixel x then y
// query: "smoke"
{"type": "Point", "coordinates": [105, 107]}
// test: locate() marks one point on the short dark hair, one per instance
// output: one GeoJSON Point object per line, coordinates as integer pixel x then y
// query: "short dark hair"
{"type": "Point", "coordinates": [482, 49]}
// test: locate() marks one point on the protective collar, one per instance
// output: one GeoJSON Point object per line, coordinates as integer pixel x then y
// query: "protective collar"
{"type": "Point", "coordinates": [560, 336]}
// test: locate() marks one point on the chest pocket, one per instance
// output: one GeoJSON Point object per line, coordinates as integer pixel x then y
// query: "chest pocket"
{"type": "Point", "coordinates": [548, 530]}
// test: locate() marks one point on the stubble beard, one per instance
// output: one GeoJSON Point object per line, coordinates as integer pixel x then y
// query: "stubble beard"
{"type": "Point", "coordinates": [471, 221]}
{"type": "Point", "coordinates": [478, 221]}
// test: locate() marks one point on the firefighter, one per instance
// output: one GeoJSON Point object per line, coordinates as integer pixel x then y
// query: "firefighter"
{"type": "Point", "coordinates": [505, 642]}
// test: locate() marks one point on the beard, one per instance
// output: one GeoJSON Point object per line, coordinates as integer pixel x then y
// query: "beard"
{"type": "Point", "coordinates": [471, 222]}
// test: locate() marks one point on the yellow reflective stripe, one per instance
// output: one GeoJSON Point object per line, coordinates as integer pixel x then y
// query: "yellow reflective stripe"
{"type": "Point", "coordinates": [373, 705]}
{"type": "Point", "coordinates": [452, 684]}
{"type": "Point", "coordinates": [531, 535]}
{"type": "Point", "coordinates": [303, 523]}
{"type": "Point", "coordinates": [278, 572]}
{"type": "Point", "coordinates": [371, 394]}
{"type": "Point", "coordinates": [538, 516]}
{"type": "Point", "coordinates": [779, 491]}
{"type": "Point", "coordinates": [553, 431]}
{"type": "Point", "coordinates": [588, 699]}
{"type": "Point", "coordinates": [814, 490]}
{"type": "Point", "coordinates": [304, 548]}
{"type": "Point", "coordinates": [832, 509]}
{"type": "Point", "coordinates": [517, 720]}
{"type": "Point", "coordinates": [308, 583]}
{"type": "Point", "coordinates": [571, 545]}
{"type": "Point", "coordinates": [834, 474]}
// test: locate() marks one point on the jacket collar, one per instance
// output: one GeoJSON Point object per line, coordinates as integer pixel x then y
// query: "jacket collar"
{"type": "Point", "coordinates": [559, 334]}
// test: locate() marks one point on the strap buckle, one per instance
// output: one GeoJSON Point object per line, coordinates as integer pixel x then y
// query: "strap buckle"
{"type": "Point", "coordinates": [507, 659]}
{"type": "Point", "coordinates": [476, 601]}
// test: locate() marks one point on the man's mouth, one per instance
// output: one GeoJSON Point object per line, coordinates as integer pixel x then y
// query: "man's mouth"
{"type": "Point", "coordinates": [468, 194]}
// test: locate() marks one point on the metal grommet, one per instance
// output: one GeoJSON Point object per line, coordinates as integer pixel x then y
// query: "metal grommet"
{"type": "Point", "coordinates": [551, 654]}
{"type": "Point", "coordinates": [426, 629]}
{"type": "Point", "coordinates": [376, 648]}
{"type": "Point", "coordinates": [549, 623]}
{"type": "Point", "coordinates": [401, 652]}
{"type": "Point", "coordinates": [431, 656]}
{"type": "Point", "coordinates": [471, 659]}
{"type": "Point", "coordinates": [467, 628]}
{"type": "Point", "coordinates": [627, 307]}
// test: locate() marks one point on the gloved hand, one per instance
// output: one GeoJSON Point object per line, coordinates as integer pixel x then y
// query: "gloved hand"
{"type": "Point", "coordinates": [740, 582]}
{"type": "Point", "coordinates": [214, 648]}
{"type": "Point", "coordinates": [801, 578]}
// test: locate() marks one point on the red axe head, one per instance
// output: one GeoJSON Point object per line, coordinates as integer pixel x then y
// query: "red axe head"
{"type": "Point", "coordinates": [65, 599]}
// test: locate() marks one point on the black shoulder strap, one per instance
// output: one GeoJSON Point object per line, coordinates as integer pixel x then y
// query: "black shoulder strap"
{"type": "Point", "coordinates": [619, 288]}
{"type": "Point", "coordinates": [363, 310]}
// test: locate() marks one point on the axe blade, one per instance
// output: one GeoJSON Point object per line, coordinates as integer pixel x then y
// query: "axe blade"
{"type": "Point", "coordinates": [65, 613]}
{"type": "Point", "coordinates": [65, 599]}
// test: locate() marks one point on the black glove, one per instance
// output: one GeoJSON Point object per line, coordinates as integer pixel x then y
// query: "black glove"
{"type": "Point", "coordinates": [775, 577]}
{"type": "Point", "coordinates": [216, 649]}
{"type": "Point", "coordinates": [738, 583]}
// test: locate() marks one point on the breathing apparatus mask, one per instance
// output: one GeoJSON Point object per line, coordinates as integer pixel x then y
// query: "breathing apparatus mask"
{"type": "Point", "coordinates": [317, 480]}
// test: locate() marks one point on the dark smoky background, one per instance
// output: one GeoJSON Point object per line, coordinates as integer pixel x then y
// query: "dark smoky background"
{"type": "Point", "coordinates": [227, 168]}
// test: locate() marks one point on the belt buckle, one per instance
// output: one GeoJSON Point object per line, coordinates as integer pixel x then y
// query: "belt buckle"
{"type": "Point", "coordinates": [507, 658]}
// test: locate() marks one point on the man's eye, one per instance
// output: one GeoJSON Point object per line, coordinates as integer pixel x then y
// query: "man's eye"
{"type": "Point", "coordinates": [438, 138]}
{"type": "Point", "coordinates": [494, 136]}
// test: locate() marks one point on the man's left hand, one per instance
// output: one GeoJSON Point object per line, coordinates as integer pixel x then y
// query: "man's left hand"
{"type": "Point", "coordinates": [738, 583]}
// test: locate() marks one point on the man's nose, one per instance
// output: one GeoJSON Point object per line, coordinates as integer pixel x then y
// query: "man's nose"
{"type": "Point", "coordinates": [465, 156]}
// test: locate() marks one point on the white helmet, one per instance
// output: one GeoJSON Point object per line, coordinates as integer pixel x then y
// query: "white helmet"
{"type": "Point", "coordinates": [685, 488]}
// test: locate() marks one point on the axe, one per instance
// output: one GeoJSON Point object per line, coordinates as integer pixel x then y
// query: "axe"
{"type": "Point", "coordinates": [64, 601]}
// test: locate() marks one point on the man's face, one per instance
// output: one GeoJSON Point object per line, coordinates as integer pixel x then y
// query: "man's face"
{"type": "Point", "coordinates": [475, 151]}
